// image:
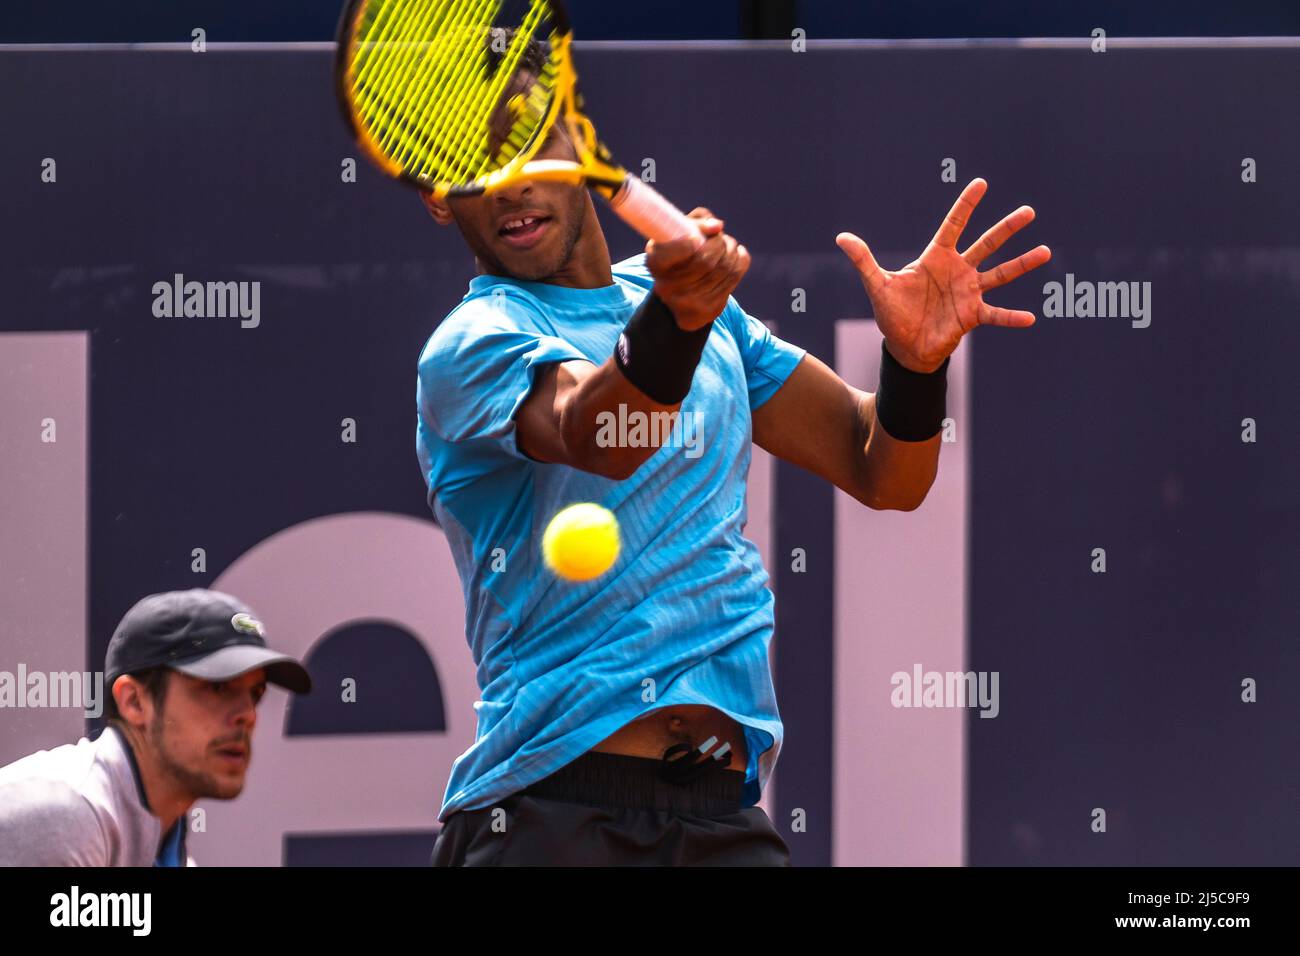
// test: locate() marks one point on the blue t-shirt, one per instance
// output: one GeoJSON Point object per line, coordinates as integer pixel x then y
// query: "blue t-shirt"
{"type": "Point", "coordinates": [683, 617]}
{"type": "Point", "coordinates": [172, 851]}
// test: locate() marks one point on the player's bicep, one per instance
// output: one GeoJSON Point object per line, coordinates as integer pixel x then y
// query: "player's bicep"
{"type": "Point", "coordinates": [539, 421]}
{"type": "Point", "coordinates": [819, 422]}
{"type": "Point", "coordinates": [480, 367]}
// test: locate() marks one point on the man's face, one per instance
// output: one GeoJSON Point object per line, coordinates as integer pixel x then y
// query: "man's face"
{"type": "Point", "coordinates": [202, 735]}
{"type": "Point", "coordinates": [529, 230]}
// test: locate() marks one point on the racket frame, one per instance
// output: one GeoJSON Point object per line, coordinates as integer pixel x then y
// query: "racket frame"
{"type": "Point", "coordinates": [638, 204]}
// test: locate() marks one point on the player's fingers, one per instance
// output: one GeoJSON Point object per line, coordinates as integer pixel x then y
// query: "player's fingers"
{"type": "Point", "coordinates": [710, 253]}
{"type": "Point", "coordinates": [702, 273]}
{"type": "Point", "coordinates": [728, 267]}
{"type": "Point", "coordinates": [729, 271]}
{"type": "Point", "coordinates": [663, 256]}
{"type": "Point", "coordinates": [992, 240]}
{"type": "Point", "coordinates": [1007, 271]}
{"type": "Point", "coordinates": [953, 224]}
{"type": "Point", "coordinates": [742, 260]}
{"type": "Point", "coordinates": [860, 255]}
{"type": "Point", "coordinates": [706, 222]}
{"type": "Point", "coordinates": [718, 290]}
{"type": "Point", "coordinates": [1007, 318]}
{"type": "Point", "coordinates": [730, 247]}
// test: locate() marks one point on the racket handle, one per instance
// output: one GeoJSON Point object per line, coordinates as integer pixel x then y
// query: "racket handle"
{"type": "Point", "coordinates": [642, 208]}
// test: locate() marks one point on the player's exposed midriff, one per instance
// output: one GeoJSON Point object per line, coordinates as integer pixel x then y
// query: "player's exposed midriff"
{"type": "Point", "coordinates": [653, 733]}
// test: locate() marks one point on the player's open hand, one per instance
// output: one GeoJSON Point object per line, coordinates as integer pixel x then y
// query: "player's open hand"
{"type": "Point", "coordinates": [695, 281]}
{"type": "Point", "coordinates": [925, 307]}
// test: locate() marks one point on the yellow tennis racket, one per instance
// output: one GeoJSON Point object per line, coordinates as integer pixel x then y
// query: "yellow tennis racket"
{"type": "Point", "coordinates": [457, 97]}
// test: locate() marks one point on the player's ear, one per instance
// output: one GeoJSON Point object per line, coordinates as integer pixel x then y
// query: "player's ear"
{"type": "Point", "coordinates": [128, 694]}
{"type": "Point", "coordinates": [438, 209]}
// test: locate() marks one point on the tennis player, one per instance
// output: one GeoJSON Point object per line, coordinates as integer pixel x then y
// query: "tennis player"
{"type": "Point", "coordinates": [186, 670]}
{"type": "Point", "coordinates": [632, 719]}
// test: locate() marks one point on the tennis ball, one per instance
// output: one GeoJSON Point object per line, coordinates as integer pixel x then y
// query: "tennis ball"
{"type": "Point", "coordinates": [581, 542]}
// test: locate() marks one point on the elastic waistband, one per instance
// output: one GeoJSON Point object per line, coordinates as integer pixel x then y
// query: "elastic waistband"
{"type": "Point", "coordinates": [637, 783]}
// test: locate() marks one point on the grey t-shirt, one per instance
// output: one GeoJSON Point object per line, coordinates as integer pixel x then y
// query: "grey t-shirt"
{"type": "Point", "coordinates": [80, 804]}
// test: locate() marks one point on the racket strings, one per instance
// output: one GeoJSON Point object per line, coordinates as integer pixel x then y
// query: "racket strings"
{"type": "Point", "coordinates": [447, 74]}
{"type": "Point", "coordinates": [383, 51]}
{"type": "Point", "coordinates": [402, 60]}
{"type": "Point", "coordinates": [491, 98]}
{"type": "Point", "coordinates": [537, 103]}
{"type": "Point", "coordinates": [428, 94]}
{"type": "Point", "coordinates": [466, 138]}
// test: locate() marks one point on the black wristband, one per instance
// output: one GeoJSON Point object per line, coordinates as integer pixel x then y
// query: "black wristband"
{"type": "Point", "coordinates": [911, 406]}
{"type": "Point", "coordinates": [657, 355]}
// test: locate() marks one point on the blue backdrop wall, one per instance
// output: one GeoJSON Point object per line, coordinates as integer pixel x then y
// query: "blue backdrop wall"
{"type": "Point", "coordinates": [1120, 688]}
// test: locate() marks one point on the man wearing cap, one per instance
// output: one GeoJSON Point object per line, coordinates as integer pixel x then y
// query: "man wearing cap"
{"type": "Point", "coordinates": [185, 671]}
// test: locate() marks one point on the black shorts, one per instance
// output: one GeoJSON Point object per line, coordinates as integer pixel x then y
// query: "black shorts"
{"type": "Point", "coordinates": [613, 810]}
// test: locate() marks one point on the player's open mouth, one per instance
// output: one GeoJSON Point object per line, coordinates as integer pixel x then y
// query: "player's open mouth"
{"type": "Point", "coordinates": [237, 755]}
{"type": "Point", "coordinates": [524, 231]}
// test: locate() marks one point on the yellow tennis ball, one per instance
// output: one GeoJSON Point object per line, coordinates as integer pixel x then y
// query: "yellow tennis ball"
{"type": "Point", "coordinates": [581, 542]}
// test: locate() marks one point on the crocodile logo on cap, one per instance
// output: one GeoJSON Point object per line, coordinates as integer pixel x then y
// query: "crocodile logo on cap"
{"type": "Point", "coordinates": [246, 624]}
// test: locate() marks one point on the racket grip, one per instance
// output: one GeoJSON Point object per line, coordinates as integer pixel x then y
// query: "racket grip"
{"type": "Point", "coordinates": [642, 208]}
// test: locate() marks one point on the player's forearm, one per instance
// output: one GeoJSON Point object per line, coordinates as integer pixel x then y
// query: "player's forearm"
{"type": "Point", "coordinates": [608, 419]}
{"type": "Point", "coordinates": [594, 415]}
{"type": "Point", "coordinates": [897, 474]}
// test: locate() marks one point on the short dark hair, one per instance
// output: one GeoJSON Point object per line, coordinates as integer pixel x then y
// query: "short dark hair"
{"type": "Point", "coordinates": [155, 682]}
{"type": "Point", "coordinates": [535, 54]}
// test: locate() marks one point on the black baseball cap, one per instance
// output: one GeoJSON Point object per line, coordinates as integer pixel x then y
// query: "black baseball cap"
{"type": "Point", "coordinates": [205, 634]}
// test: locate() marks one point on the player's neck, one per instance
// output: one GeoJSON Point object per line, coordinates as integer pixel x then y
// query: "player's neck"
{"type": "Point", "coordinates": [584, 272]}
{"type": "Point", "coordinates": [588, 267]}
{"type": "Point", "coordinates": [167, 800]}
